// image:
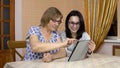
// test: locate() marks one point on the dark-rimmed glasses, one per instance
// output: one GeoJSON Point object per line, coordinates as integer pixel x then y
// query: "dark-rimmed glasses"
{"type": "Point", "coordinates": [73, 23]}
{"type": "Point", "coordinates": [58, 21]}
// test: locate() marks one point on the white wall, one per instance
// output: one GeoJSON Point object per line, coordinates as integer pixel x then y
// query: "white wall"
{"type": "Point", "coordinates": [18, 23]}
{"type": "Point", "coordinates": [18, 20]}
{"type": "Point", "coordinates": [107, 46]}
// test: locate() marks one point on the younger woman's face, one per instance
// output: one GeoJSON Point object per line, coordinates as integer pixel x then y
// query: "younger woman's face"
{"type": "Point", "coordinates": [73, 24]}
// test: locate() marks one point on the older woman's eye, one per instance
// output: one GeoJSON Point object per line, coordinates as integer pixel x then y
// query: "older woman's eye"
{"type": "Point", "coordinates": [58, 21]}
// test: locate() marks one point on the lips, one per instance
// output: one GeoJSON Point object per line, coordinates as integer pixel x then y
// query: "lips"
{"type": "Point", "coordinates": [73, 29]}
{"type": "Point", "coordinates": [54, 28]}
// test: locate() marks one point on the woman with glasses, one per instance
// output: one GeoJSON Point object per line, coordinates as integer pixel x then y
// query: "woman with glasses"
{"type": "Point", "coordinates": [75, 28]}
{"type": "Point", "coordinates": [43, 41]}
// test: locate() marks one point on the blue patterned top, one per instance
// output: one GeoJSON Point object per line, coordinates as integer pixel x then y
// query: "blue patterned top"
{"type": "Point", "coordinates": [36, 31]}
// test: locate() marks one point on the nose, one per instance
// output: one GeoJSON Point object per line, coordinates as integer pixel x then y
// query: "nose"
{"type": "Point", "coordinates": [57, 23]}
{"type": "Point", "coordinates": [74, 25]}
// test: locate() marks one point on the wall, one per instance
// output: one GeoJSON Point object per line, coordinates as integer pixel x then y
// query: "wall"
{"type": "Point", "coordinates": [32, 11]}
{"type": "Point", "coordinates": [107, 47]}
{"type": "Point", "coordinates": [118, 18]}
{"type": "Point", "coordinates": [18, 20]}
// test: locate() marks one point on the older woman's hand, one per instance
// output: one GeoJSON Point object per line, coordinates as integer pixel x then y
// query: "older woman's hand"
{"type": "Point", "coordinates": [47, 57]}
{"type": "Point", "coordinates": [69, 41]}
{"type": "Point", "coordinates": [91, 46]}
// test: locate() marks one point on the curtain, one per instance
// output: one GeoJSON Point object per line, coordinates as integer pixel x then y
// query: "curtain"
{"type": "Point", "coordinates": [98, 19]}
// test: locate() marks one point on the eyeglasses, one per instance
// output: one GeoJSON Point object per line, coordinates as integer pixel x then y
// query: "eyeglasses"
{"type": "Point", "coordinates": [54, 20]}
{"type": "Point", "coordinates": [73, 23]}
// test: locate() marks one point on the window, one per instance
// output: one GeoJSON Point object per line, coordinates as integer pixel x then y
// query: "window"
{"type": "Point", "coordinates": [112, 34]}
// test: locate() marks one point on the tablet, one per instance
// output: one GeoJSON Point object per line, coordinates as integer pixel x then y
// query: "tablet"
{"type": "Point", "coordinates": [80, 50]}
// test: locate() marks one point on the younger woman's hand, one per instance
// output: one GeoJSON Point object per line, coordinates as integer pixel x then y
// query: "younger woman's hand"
{"type": "Point", "coordinates": [91, 46]}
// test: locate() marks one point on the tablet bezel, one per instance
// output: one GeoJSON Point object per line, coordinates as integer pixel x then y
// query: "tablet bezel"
{"type": "Point", "coordinates": [83, 45]}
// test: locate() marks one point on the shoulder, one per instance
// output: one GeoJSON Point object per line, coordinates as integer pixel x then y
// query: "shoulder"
{"type": "Point", "coordinates": [63, 33]}
{"type": "Point", "coordinates": [33, 30]}
{"type": "Point", "coordinates": [85, 36]}
{"type": "Point", "coordinates": [35, 27]}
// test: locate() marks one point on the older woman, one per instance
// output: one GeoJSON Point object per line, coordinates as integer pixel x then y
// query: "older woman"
{"type": "Point", "coordinates": [43, 41]}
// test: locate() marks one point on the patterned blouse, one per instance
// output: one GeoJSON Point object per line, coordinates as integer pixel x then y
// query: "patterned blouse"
{"type": "Point", "coordinates": [36, 30]}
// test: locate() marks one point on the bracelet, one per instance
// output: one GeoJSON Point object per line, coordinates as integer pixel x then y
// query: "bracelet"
{"type": "Point", "coordinates": [89, 52]}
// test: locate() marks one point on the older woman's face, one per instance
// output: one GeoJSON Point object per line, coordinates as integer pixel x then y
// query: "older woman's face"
{"type": "Point", "coordinates": [54, 24]}
{"type": "Point", "coordinates": [73, 24]}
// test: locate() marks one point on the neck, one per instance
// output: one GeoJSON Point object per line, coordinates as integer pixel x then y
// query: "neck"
{"type": "Point", "coordinates": [74, 35]}
{"type": "Point", "coordinates": [47, 30]}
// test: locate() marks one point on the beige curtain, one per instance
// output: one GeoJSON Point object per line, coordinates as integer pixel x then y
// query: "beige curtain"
{"type": "Point", "coordinates": [98, 18]}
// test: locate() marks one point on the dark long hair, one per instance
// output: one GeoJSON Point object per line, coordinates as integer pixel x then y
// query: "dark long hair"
{"type": "Point", "coordinates": [81, 20]}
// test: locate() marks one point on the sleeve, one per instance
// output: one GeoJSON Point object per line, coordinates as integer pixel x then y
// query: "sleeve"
{"type": "Point", "coordinates": [70, 49]}
{"type": "Point", "coordinates": [62, 36]}
{"type": "Point", "coordinates": [31, 31]}
{"type": "Point", "coordinates": [68, 52]}
{"type": "Point", "coordinates": [85, 36]}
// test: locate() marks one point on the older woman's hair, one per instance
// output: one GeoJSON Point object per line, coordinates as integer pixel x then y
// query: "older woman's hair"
{"type": "Point", "coordinates": [50, 13]}
{"type": "Point", "coordinates": [81, 23]}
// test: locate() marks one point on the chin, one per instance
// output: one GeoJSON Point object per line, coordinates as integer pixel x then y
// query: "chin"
{"type": "Point", "coordinates": [73, 31]}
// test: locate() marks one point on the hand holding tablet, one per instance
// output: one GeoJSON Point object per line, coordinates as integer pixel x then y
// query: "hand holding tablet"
{"type": "Point", "coordinates": [80, 50]}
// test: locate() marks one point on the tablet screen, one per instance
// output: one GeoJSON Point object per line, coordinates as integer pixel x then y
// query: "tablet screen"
{"type": "Point", "coordinates": [80, 50]}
